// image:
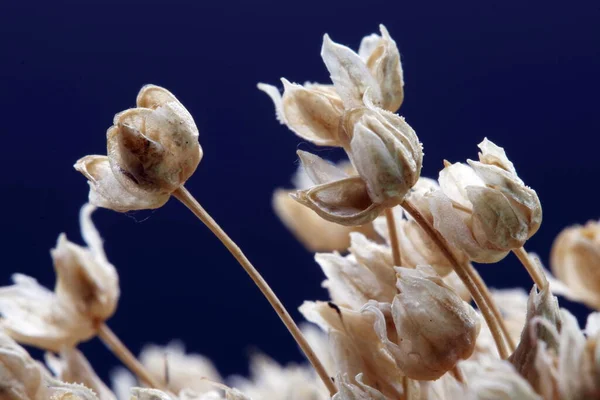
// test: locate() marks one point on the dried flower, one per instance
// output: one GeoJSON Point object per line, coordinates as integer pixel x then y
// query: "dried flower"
{"type": "Point", "coordinates": [85, 295]}
{"type": "Point", "coordinates": [152, 150]}
{"type": "Point", "coordinates": [73, 367]}
{"type": "Point", "coordinates": [309, 228]}
{"type": "Point", "coordinates": [575, 260]}
{"type": "Point", "coordinates": [484, 209]}
{"type": "Point", "coordinates": [358, 391]}
{"type": "Point", "coordinates": [435, 328]}
{"type": "Point", "coordinates": [355, 347]}
{"type": "Point", "coordinates": [70, 391]}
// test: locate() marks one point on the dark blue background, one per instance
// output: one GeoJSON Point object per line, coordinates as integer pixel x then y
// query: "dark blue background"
{"type": "Point", "coordinates": [523, 73]}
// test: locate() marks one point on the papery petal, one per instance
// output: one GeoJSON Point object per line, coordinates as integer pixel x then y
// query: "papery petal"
{"type": "Point", "coordinates": [275, 96]}
{"type": "Point", "coordinates": [345, 202]}
{"type": "Point", "coordinates": [319, 170]}
{"type": "Point", "coordinates": [152, 96]}
{"type": "Point", "coordinates": [454, 180]}
{"type": "Point", "coordinates": [349, 74]}
{"type": "Point", "coordinates": [495, 155]}
{"type": "Point", "coordinates": [107, 192]}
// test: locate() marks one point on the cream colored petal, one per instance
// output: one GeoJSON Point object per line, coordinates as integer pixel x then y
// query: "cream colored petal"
{"type": "Point", "coordinates": [376, 257]}
{"type": "Point", "coordinates": [70, 391]}
{"type": "Point", "coordinates": [275, 96]}
{"type": "Point", "coordinates": [107, 192]}
{"type": "Point", "coordinates": [384, 64]}
{"type": "Point", "coordinates": [152, 96]}
{"type": "Point", "coordinates": [453, 225]}
{"type": "Point", "coordinates": [368, 44]}
{"type": "Point", "coordinates": [497, 381]}
{"type": "Point", "coordinates": [345, 202]}
{"type": "Point", "coordinates": [33, 315]}
{"type": "Point", "coordinates": [121, 383]}
{"type": "Point", "coordinates": [312, 114]}
{"type": "Point", "coordinates": [495, 155]}
{"type": "Point", "coordinates": [72, 366]}
{"type": "Point", "coordinates": [360, 391]}
{"type": "Point", "coordinates": [454, 179]}
{"type": "Point", "coordinates": [319, 170]}
{"type": "Point", "coordinates": [349, 74]}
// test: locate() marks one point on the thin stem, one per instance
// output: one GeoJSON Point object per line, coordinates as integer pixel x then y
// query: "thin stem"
{"type": "Point", "coordinates": [485, 293]}
{"type": "Point", "coordinates": [461, 270]}
{"type": "Point", "coordinates": [127, 358]}
{"type": "Point", "coordinates": [190, 202]}
{"type": "Point", "coordinates": [393, 232]}
{"type": "Point", "coordinates": [536, 274]}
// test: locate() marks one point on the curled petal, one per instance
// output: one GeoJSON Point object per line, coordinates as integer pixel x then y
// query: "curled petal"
{"type": "Point", "coordinates": [108, 192]}
{"type": "Point", "coordinates": [152, 96]}
{"type": "Point", "coordinates": [495, 155]}
{"type": "Point", "coordinates": [454, 179]}
{"type": "Point", "coordinates": [345, 202]}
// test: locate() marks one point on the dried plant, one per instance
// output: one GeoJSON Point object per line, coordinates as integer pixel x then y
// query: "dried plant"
{"type": "Point", "coordinates": [408, 318]}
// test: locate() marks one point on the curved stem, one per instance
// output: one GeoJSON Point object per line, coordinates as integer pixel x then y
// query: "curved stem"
{"type": "Point", "coordinates": [115, 345]}
{"type": "Point", "coordinates": [538, 276]}
{"type": "Point", "coordinates": [190, 202]}
{"type": "Point", "coordinates": [461, 270]}
{"type": "Point", "coordinates": [393, 232]}
{"type": "Point", "coordinates": [483, 289]}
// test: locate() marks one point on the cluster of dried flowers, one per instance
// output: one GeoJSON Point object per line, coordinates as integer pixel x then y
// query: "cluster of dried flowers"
{"type": "Point", "coordinates": [396, 250]}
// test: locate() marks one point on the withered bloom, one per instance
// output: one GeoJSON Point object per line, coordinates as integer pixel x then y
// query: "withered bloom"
{"type": "Point", "coordinates": [483, 208]}
{"type": "Point", "coordinates": [434, 327]}
{"type": "Point", "coordinates": [86, 294]}
{"type": "Point", "coordinates": [152, 150]}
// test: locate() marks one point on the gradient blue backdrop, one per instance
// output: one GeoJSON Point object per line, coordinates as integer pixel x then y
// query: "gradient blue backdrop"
{"type": "Point", "coordinates": [522, 73]}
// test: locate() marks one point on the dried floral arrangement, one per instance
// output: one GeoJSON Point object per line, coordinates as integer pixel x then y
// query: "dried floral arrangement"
{"type": "Point", "coordinates": [409, 315]}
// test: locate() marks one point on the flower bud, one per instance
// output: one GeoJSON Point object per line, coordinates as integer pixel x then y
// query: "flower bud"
{"type": "Point", "coordinates": [484, 209]}
{"type": "Point", "coordinates": [152, 150]}
{"type": "Point", "coordinates": [575, 260]}
{"type": "Point", "coordinates": [435, 328]}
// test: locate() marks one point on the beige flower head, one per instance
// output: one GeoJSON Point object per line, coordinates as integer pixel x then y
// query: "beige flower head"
{"type": "Point", "coordinates": [575, 260]}
{"type": "Point", "coordinates": [483, 208]}
{"type": "Point", "coordinates": [152, 150]}
{"type": "Point", "coordinates": [86, 294]}
{"type": "Point", "coordinates": [435, 328]}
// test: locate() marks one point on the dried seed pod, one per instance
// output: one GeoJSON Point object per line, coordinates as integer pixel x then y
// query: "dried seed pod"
{"type": "Point", "coordinates": [385, 151]}
{"type": "Point", "coordinates": [152, 150]}
{"type": "Point", "coordinates": [575, 260]}
{"type": "Point", "coordinates": [435, 328]}
{"type": "Point", "coordinates": [86, 294]}
{"type": "Point", "coordinates": [483, 208]}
